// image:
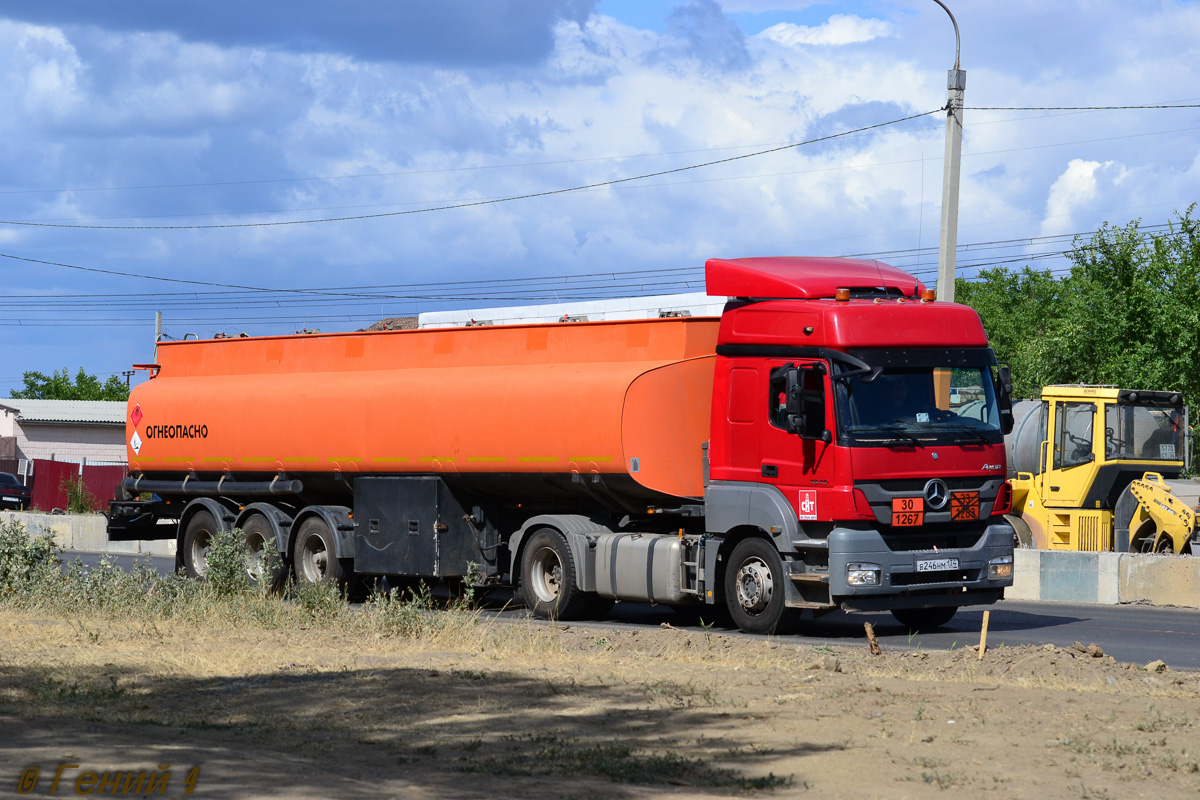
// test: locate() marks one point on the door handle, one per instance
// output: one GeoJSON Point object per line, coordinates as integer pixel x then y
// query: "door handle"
{"type": "Point", "coordinates": [770, 471]}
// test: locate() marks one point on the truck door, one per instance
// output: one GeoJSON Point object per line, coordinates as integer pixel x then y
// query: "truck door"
{"type": "Point", "coordinates": [1070, 451]}
{"type": "Point", "coordinates": [795, 440]}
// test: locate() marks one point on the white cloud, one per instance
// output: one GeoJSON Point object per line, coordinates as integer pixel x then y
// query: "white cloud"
{"type": "Point", "coordinates": [838, 30]}
{"type": "Point", "coordinates": [1077, 189]}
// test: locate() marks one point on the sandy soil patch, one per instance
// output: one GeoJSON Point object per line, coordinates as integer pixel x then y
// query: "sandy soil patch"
{"type": "Point", "coordinates": [536, 711]}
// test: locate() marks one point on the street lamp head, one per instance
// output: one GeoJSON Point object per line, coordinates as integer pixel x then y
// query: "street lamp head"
{"type": "Point", "coordinates": [957, 38]}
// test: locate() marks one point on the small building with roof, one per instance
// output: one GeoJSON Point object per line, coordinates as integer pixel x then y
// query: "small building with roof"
{"type": "Point", "coordinates": [91, 431]}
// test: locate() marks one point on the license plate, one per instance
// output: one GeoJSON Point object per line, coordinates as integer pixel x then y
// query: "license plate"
{"type": "Point", "coordinates": [8, 499]}
{"type": "Point", "coordinates": [937, 565]}
{"type": "Point", "coordinates": [908, 512]}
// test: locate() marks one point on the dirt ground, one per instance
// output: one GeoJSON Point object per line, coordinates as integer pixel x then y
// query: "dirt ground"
{"type": "Point", "coordinates": [538, 711]}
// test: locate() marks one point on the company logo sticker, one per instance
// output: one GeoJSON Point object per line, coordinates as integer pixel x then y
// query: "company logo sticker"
{"type": "Point", "coordinates": [808, 504]}
{"type": "Point", "coordinates": [136, 444]}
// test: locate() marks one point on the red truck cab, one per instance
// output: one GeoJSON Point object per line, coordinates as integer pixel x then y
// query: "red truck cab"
{"type": "Point", "coordinates": [862, 425]}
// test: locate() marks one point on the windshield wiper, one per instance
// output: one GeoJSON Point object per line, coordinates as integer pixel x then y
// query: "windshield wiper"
{"type": "Point", "coordinates": [901, 433]}
{"type": "Point", "coordinates": [979, 435]}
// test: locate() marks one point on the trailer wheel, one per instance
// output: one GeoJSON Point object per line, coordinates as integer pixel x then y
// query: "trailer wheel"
{"type": "Point", "coordinates": [314, 556]}
{"type": "Point", "coordinates": [196, 539]}
{"type": "Point", "coordinates": [924, 619]}
{"type": "Point", "coordinates": [755, 592]}
{"type": "Point", "coordinates": [549, 583]}
{"type": "Point", "coordinates": [262, 558]}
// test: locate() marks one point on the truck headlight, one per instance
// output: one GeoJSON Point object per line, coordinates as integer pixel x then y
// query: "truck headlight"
{"type": "Point", "coordinates": [1000, 568]}
{"type": "Point", "coordinates": [863, 574]}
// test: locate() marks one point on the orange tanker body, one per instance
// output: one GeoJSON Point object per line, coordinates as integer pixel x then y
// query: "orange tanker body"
{"type": "Point", "coordinates": [482, 406]}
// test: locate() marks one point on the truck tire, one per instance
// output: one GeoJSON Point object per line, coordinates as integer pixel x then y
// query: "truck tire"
{"type": "Point", "coordinates": [196, 539]}
{"type": "Point", "coordinates": [755, 589]}
{"type": "Point", "coordinates": [263, 562]}
{"type": "Point", "coordinates": [314, 556]}
{"type": "Point", "coordinates": [924, 619]}
{"type": "Point", "coordinates": [549, 581]}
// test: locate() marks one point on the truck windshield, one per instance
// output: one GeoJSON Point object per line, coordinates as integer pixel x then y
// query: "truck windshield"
{"type": "Point", "coordinates": [1143, 433]}
{"type": "Point", "coordinates": [919, 405]}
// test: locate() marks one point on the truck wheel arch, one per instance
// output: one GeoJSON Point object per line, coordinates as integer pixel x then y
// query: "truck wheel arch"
{"type": "Point", "coordinates": [575, 529]}
{"type": "Point", "coordinates": [736, 505]}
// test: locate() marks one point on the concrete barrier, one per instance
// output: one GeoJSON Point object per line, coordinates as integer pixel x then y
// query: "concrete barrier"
{"type": "Point", "coordinates": [1105, 578]}
{"type": "Point", "coordinates": [86, 532]}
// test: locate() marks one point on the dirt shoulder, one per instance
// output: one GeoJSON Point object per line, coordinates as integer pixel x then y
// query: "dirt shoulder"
{"type": "Point", "coordinates": [560, 711]}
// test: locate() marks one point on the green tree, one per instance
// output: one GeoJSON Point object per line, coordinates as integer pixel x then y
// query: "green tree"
{"type": "Point", "coordinates": [1128, 314]}
{"type": "Point", "coordinates": [60, 386]}
{"type": "Point", "coordinates": [1019, 310]}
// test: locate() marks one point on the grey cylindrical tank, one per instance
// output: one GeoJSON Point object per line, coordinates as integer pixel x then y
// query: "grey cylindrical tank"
{"type": "Point", "coordinates": [1023, 445]}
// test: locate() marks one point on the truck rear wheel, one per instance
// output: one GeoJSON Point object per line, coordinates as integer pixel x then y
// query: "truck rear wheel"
{"type": "Point", "coordinates": [755, 589]}
{"type": "Point", "coordinates": [196, 539]}
{"type": "Point", "coordinates": [549, 581]}
{"type": "Point", "coordinates": [314, 555]}
{"type": "Point", "coordinates": [262, 557]}
{"type": "Point", "coordinates": [924, 619]}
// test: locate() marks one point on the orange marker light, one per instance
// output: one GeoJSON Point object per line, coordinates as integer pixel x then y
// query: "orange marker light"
{"type": "Point", "coordinates": [842, 295]}
{"type": "Point", "coordinates": [929, 295]}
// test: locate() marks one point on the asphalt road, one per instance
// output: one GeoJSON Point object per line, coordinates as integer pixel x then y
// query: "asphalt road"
{"type": "Point", "coordinates": [1129, 633]}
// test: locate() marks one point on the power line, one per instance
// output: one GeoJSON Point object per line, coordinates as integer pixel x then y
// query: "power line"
{"type": "Point", "coordinates": [592, 285]}
{"type": "Point", "coordinates": [477, 203]}
{"type": "Point", "coordinates": [1081, 108]}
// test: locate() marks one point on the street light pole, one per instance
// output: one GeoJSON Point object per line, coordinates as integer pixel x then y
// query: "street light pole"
{"type": "Point", "coordinates": [956, 84]}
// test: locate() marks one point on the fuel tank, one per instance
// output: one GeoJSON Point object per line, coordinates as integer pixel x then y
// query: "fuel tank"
{"type": "Point", "coordinates": [503, 405]}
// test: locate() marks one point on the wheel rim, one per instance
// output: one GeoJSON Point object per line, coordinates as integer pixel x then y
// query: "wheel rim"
{"type": "Point", "coordinates": [545, 577]}
{"type": "Point", "coordinates": [315, 559]}
{"type": "Point", "coordinates": [255, 545]}
{"type": "Point", "coordinates": [199, 550]}
{"type": "Point", "coordinates": [755, 586]}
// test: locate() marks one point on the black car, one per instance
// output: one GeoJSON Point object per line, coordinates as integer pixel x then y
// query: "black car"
{"type": "Point", "coordinates": [12, 493]}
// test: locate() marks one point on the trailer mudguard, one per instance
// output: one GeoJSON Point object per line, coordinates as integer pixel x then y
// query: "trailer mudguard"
{"type": "Point", "coordinates": [280, 522]}
{"type": "Point", "coordinates": [339, 521]}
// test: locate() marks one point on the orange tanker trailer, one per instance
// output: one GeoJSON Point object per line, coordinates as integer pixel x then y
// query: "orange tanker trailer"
{"type": "Point", "coordinates": [569, 459]}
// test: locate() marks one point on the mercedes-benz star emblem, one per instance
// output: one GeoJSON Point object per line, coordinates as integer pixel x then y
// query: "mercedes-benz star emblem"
{"type": "Point", "coordinates": [937, 493]}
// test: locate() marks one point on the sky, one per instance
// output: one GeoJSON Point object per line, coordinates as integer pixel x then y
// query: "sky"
{"type": "Point", "coordinates": [267, 168]}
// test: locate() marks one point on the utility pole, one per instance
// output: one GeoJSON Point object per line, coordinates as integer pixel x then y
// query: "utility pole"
{"type": "Point", "coordinates": [157, 333]}
{"type": "Point", "coordinates": [956, 84]}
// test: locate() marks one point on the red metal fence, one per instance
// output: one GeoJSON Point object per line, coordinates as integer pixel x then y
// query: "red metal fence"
{"type": "Point", "coordinates": [50, 479]}
{"type": "Point", "coordinates": [50, 483]}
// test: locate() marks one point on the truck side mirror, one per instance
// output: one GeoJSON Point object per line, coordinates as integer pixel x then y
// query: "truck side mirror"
{"type": "Point", "coordinates": [1004, 389]}
{"type": "Point", "coordinates": [794, 394]}
{"type": "Point", "coordinates": [806, 403]}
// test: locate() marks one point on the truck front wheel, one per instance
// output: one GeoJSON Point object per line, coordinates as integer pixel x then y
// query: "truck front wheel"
{"type": "Point", "coordinates": [549, 583]}
{"type": "Point", "coordinates": [755, 589]}
{"type": "Point", "coordinates": [315, 557]}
